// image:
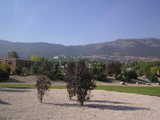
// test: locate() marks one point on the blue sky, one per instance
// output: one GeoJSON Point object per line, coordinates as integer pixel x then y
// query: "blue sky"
{"type": "Point", "coordinates": [73, 22]}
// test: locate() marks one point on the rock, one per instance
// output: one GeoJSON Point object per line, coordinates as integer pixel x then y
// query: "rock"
{"type": "Point", "coordinates": [122, 83]}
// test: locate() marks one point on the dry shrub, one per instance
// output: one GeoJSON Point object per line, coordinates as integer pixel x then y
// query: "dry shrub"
{"type": "Point", "coordinates": [79, 80]}
{"type": "Point", "coordinates": [42, 86]}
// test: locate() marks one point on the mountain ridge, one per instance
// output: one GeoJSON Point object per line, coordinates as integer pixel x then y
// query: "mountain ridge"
{"type": "Point", "coordinates": [143, 47]}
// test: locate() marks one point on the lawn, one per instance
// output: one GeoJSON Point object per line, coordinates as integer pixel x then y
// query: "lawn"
{"type": "Point", "coordinates": [144, 90]}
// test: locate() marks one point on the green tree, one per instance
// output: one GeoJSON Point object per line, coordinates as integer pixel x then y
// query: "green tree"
{"type": "Point", "coordinates": [13, 54]}
{"type": "Point", "coordinates": [35, 58]}
{"type": "Point", "coordinates": [98, 70]}
{"type": "Point", "coordinates": [113, 68]}
{"type": "Point", "coordinates": [5, 68]}
{"type": "Point", "coordinates": [4, 72]}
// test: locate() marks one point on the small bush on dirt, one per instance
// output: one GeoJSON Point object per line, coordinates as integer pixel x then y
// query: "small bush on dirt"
{"type": "Point", "coordinates": [70, 79]}
{"type": "Point", "coordinates": [79, 80]}
{"type": "Point", "coordinates": [42, 86]}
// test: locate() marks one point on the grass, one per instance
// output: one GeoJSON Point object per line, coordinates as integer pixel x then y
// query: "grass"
{"type": "Point", "coordinates": [144, 90]}
{"type": "Point", "coordinates": [23, 86]}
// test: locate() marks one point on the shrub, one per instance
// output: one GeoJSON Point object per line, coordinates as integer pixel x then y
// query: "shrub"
{"type": "Point", "coordinates": [13, 54]}
{"type": "Point", "coordinates": [42, 86]}
{"type": "Point", "coordinates": [70, 79]}
{"type": "Point", "coordinates": [5, 68]}
{"type": "Point", "coordinates": [3, 75]}
{"type": "Point", "coordinates": [98, 70]}
{"type": "Point", "coordinates": [48, 68]}
{"type": "Point", "coordinates": [25, 71]}
{"type": "Point", "coordinates": [152, 77]}
{"type": "Point", "coordinates": [126, 76]}
{"type": "Point", "coordinates": [113, 68]}
{"type": "Point", "coordinates": [4, 72]}
{"type": "Point", "coordinates": [79, 80]}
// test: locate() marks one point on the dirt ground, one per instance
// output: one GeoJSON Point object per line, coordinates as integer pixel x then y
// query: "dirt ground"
{"type": "Point", "coordinates": [22, 104]}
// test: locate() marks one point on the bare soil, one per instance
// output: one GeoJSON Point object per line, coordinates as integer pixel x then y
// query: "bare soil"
{"type": "Point", "coordinates": [22, 104]}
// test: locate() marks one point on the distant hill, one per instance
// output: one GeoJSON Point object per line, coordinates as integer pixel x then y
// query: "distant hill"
{"type": "Point", "coordinates": [121, 47]}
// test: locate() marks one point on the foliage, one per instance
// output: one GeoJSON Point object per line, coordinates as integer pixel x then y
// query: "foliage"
{"type": "Point", "coordinates": [155, 70]}
{"type": "Point", "coordinates": [42, 85]}
{"type": "Point", "coordinates": [3, 75]}
{"type": "Point", "coordinates": [126, 76]}
{"type": "Point", "coordinates": [49, 68]}
{"type": "Point", "coordinates": [98, 70]}
{"type": "Point", "coordinates": [113, 68]}
{"type": "Point", "coordinates": [152, 77]}
{"type": "Point", "coordinates": [4, 72]}
{"type": "Point", "coordinates": [25, 71]}
{"type": "Point", "coordinates": [79, 80]}
{"type": "Point", "coordinates": [13, 54]}
{"type": "Point", "coordinates": [5, 68]}
{"type": "Point", "coordinates": [144, 68]}
{"type": "Point", "coordinates": [35, 58]}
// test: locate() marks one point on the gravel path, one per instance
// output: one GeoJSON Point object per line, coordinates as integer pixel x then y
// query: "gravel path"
{"type": "Point", "coordinates": [22, 104]}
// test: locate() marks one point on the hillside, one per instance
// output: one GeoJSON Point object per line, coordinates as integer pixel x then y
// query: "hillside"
{"type": "Point", "coordinates": [120, 47]}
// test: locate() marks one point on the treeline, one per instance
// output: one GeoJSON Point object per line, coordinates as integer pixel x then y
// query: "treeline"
{"type": "Point", "coordinates": [55, 69]}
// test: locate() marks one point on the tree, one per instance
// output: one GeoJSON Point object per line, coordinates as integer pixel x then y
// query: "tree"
{"type": "Point", "coordinates": [5, 68]}
{"type": "Point", "coordinates": [42, 86]}
{"type": "Point", "coordinates": [4, 72]}
{"type": "Point", "coordinates": [70, 78]}
{"type": "Point", "coordinates": [98, 71]}
{"type": "Point", "coordinates": [35, 58]}
{"type": "Point", "coordinates": [113, 68]}
{"type": "Point", "coordinates": [79, 80]}
{"type": "Point", "coordinates": [48, 68]}
{"type": "Point", "coordinates": [13, 54]}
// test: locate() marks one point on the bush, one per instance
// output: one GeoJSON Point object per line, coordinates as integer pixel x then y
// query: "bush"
{"type": "Point", "coordinates": [126, 76]}
{"type": "Point", "coordinates": [48, 68]}
{"type": "Point", "coordinates": [98, 70]}
{"type": "Point", "coordinates": [79, 80]}
{"type": "Point", "coordinates": [4, 72]}
{"type": "Point", "coordinates": [113, 68]}
{"type": "Point", "coordinates": [152, 77]}
{"type": "Point", "coordinates": [5, 68]}
{"type": "Point", "coordinates": [42, 86]}
{"type": "Point", "coordinates": [25, 71]}
{"type": "Point", "coordinates": [4, 76]}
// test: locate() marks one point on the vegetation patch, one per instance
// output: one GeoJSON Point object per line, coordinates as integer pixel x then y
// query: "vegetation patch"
{"type": "Point", "coordinates": [144, 90]}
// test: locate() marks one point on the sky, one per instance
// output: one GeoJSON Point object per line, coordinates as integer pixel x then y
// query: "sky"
{"type": "Point", "coordinates": [75, 22]}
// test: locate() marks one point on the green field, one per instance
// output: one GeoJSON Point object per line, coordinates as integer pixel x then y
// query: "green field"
{"type": "Point", "coordinates": [145, 90]}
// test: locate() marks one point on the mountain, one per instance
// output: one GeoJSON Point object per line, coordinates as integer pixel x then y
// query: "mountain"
{"type": "Point", "coordinates": [121, 47]}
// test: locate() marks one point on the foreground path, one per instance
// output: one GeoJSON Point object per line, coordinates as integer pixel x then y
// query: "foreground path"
{"type": "Point", "coordinates": [20, 104]}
